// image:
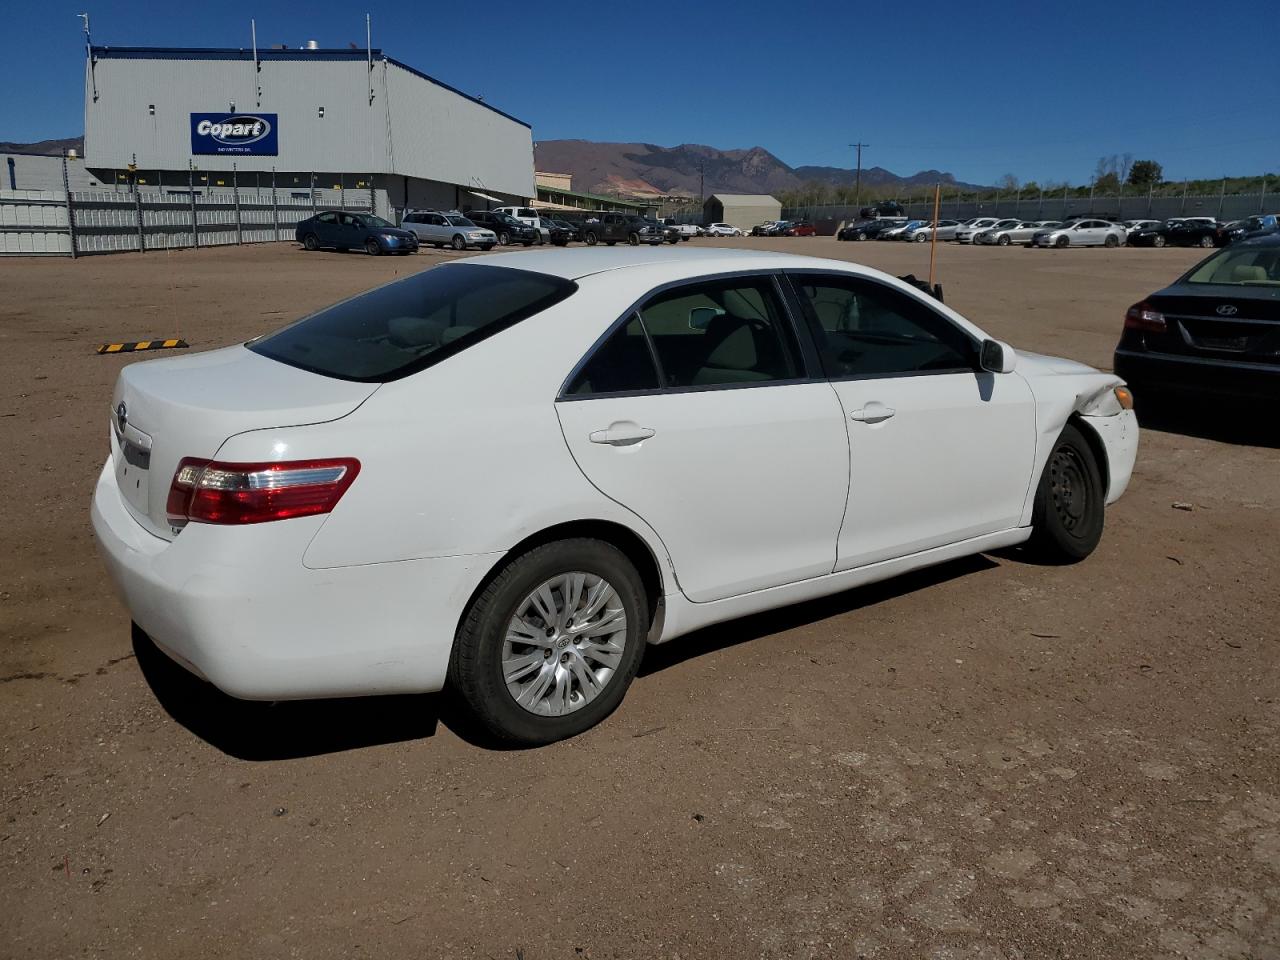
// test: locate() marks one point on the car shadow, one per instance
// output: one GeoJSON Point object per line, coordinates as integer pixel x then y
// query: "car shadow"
{"type": "Point", "coordinates": [721, 636]}
{"type": "Point", "coordinates": [1224, 420]}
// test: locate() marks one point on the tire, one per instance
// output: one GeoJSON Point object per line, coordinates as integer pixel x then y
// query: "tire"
{"type": "Point", "coordinates": [1111, 242]}
{"type": "Point", "coordinates": [311, 242]}
{"type": "Point", "coordinates": [504, 238]}
{"type": "Point", "coordinates": [591, 239]}
{"type": "Point", "coordinates": [919, 238]}
{"type": "Point", "coordinates": [485, 641]}
{"type": "Point", "coordinates": [1004, 240]}
{"type": "Point", "coordinates": [458, 242]}
{"type": "Point", "coordinates": [1158, 241]}
{"type": "Point", "coordinates": [371, 247]}
{"type": "Point", "coordinates": [1062, 242]}
{"type": "Point", "coordinates": [1206, 241]}
{"type": "Point", "coordinates": [1069, 509]}
{"type": "Point", "coordinates": [685, 238]}
{"type": "Point", "coordinates": [633, 239]}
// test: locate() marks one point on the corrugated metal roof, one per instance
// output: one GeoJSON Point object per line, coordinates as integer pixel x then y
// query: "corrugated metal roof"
{"type": "Point", "coordinates": [743, 198]}
{"type": "Point", "coordinates": [241, 53]}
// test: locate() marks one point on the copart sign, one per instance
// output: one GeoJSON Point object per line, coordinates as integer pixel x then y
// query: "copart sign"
{"type": "Point", "coordinates": [245, 134]}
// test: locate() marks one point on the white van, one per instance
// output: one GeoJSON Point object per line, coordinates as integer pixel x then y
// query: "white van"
{"type": "Point", "coordinates": [526, 215]}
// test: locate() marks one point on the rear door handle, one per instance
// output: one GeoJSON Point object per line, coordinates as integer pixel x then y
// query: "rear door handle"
{"type": "Point", "coordinates": [621, 434]}
{"type": "Point", "coordinates": [873, 412]}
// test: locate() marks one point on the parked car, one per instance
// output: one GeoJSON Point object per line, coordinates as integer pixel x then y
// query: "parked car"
{"type": "Point", "coordinates": [898, 230]}
{"type": "Point", "coordinates": [526, 215]}
{"type": "Point", "coordinates": [1152, 233]}
{"type": "Point", "coordinates": [946, 230]}
{"type": "Point", "coordinates": [453, 229]}
{"type": "Point", "coordinates": [610, 228]}
{"type": "Point", "coordinates": [1195, 232]}
{"type": "Point", "coordinates": [966, 233]}
{"type": "Point", "coordinates": [762, 229]}
{"type": "Point", "coordinates": [573, 229]}
{"type": "Point", "coordinates": [724, 230]}
{"type": "Point", "coordinates": [555, 232]}
{"type": "Point", "coordinates": [1212, 331]}
{"type": "Point", "coordinates": [687, 230]}
{"type": "Point", "coordinates": [1081, 233]}
{"type": "Point", "coordinates": [1014, 231]}
{"type": "Point", "coordinates": [869, 229]}
{"type": "Point", "coordinates": [779, 228]}
{"type": "Point", "coordinates": [505, 227]}
{"type": "Point", "coordinates": [340, 230]}
{"type": "Point", "coordinates": [1248, 228]}
{"type": "Point", "coordinates": [1131, 226]}
{"type": "Point", "coordinates": [885, 208]}
{"type": "Point", "coordinates": [321, 536]}
{"type": "Point", "coordinates": [800, 228]}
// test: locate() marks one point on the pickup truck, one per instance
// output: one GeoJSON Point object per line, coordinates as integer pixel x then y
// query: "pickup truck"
{"type": "Point", "coordinates": [687, 230]}
{"type": "Point", "coordinates": [611, 228]}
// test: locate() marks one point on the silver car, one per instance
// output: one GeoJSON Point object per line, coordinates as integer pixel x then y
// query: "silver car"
{"type": "Point", "coordinates": [967, 232]}
{"type": "Point", "coordinates": [448, 229]}
{"type": "Point", "coordinates": [1082, 233]}
{"type": "Point", "coordinates": [1021, 231]}
{"type": "Point", "coordinates": [946, 230]}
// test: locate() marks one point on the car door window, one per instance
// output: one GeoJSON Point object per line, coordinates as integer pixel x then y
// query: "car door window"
{"type": "Point", "coordinates": [866, 329]}
{"type": "Point", "coordinates": [327, 218]}
{"type": "Point", "coordinates": [623, 363]}
{"type": "Point", "coordinates": [720, 333]}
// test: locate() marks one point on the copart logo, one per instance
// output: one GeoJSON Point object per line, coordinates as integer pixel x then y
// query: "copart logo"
{"type": "Point", "coordinates": [235, 131]}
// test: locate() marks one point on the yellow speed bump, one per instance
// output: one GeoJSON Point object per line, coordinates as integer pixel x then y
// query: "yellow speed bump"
{"type": "Point", "coordinates": [143, 345]}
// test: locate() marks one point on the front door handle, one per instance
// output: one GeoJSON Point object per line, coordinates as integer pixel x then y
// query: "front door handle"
{"type": "Point", "coordinates": [873, 412]}
{"type": "Point", "coordinates": [622, 433]}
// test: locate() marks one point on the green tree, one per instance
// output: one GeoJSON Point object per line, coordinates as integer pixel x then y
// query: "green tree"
{"type": "Point", "coordinates": [1145, 172]}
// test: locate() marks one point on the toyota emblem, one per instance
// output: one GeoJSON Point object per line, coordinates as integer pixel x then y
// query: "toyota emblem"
{"type": "Point", "coordinates": [1227, 310]}
{"type": "Point", "coordinates": [122, 416]}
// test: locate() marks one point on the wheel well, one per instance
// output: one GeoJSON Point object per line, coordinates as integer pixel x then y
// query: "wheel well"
{"type": "Point", "coordinates": [631, 545]}
{"type": "Point", "coordinates": [1096, 447]}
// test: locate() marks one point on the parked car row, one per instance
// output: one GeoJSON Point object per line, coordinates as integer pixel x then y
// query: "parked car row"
{"type": "Point", "coordinates": [784, 228]}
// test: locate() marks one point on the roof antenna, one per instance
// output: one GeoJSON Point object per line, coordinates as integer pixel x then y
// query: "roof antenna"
{"type": "Point", "coordinates": [88, 50]}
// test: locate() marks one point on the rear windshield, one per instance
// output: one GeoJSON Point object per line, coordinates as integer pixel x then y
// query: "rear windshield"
{"type": "Point", "coordinates": [407, 326]}
{"type": "Point", "coordinates": [1240, 266]}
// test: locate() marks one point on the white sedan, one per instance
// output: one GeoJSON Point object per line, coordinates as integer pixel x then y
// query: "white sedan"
{"type": "Point", "coordinates": [510, 474]}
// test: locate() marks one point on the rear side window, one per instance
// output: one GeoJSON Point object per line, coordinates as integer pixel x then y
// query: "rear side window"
{"type": "Point", "coordinates": [407, 326]}
{"type": "Point", "coordinates": [622, 363]}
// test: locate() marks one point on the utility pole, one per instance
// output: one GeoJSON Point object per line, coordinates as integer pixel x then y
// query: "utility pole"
{"type": "Point", "coordinates": [702, 180]}
{"type": "Point", "coordinates": [857, 189]}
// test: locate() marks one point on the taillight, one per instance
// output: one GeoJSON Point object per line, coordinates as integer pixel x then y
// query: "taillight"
{"type": "Point", "coordinates": [1143, 316]}
{"type": "Point", "coordinates": [208, 491]}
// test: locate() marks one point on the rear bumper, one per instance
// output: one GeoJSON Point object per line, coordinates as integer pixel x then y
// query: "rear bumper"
{"type": "Point", "coordinates": [236, 606]}
{"type": "Point", "coordinates": [1197, 375]}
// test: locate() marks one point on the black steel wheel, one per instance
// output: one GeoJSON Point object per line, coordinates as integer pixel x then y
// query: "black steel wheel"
{"type": "Point", "coordinates": [1070, 503]}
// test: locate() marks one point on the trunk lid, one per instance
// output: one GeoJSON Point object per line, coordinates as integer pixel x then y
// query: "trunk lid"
{"type": "Point", "coordinates": [165, 410]}
{"type": "Point", "coordinates": [1211, 321]}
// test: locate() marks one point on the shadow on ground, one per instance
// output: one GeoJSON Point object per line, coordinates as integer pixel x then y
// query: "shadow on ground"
{"type": "Point", "coordinates": [1226, 421]}
{"type": "Point", "coordinates": [287, 730]}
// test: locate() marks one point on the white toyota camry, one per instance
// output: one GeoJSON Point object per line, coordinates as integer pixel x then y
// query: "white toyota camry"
{"type": "Point", "coordinates": [511, 473]}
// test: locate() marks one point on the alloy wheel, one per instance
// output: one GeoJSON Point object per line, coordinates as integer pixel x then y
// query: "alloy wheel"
{"type": "Point", "coordinates": [564, 644]}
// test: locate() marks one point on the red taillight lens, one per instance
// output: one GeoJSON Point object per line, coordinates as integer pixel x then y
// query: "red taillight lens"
{"type": "Point", "coordinates": [207, 491]}
{"type": "Point", "coordinates": [1143, 316]}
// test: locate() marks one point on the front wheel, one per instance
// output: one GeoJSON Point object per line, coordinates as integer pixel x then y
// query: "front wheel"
{"type": "Point", "coordinates": [591, 239]}
{"type": "Point", "coordinates": [504, 238]}
{"type": "Point", "coordinates": [1206, 241]}
{"type": "Point", "coordinates": [458, 242]}
{"type": "Point", "coordinates": [1158, 241]}
{"type": "Point", "coordinates": [1061, 242]}
{"type": "Point", "coordinates": [371, 247]}
{"type": "Point", "coordinates": [550, 646]}
{"type": "Point", "coordinates": [633, 239]}
{"type": "Point", "coordinates": [1070, 501]}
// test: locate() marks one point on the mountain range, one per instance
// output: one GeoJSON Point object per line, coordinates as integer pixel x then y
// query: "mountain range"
{"type": "Point", "coordinates": [692, 169]}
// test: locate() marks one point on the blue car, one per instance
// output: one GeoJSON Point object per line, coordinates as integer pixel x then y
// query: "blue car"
{"type": "Point", "coordinates": [340, 230]}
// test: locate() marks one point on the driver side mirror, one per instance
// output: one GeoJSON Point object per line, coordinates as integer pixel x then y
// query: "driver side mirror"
{"type": "Point", "coordinates": [997, 357]}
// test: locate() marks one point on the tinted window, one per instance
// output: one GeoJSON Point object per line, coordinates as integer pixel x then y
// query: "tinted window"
{"type": "Point", "coordinates": [328, 218]}
{"type": "Point", "coordinates": [866, 329]}
{"type": "Point", "coordinates": [721, 332]}
{"type": "Point", "coordinates": [404, 327]}
{"type": "Point", "coordinates": [623, 362]}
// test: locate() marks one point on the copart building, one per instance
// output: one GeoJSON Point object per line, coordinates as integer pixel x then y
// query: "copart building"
{"type": "Point", "coordinates": [299, 120]}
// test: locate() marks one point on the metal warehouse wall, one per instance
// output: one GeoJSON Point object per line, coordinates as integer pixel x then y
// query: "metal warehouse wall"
{"type": "Point", "coordinates": [414, 127]}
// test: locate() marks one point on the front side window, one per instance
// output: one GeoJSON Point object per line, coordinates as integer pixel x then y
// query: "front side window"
{"type": "Point", "coordinates": [721, 332]}
{"type": "Point", "coordinates": [407, 326]}
{"type": "Point", "coordinates": [865, 329]}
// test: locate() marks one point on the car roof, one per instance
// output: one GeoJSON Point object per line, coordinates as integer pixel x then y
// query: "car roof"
{"type": "Point", "coordinates": [1268, 240]}
{"type": "Point", "coordinates": [575, 263]}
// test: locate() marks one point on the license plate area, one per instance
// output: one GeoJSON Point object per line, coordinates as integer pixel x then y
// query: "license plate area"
{"type": "Point", "coordinates": [131, 455]}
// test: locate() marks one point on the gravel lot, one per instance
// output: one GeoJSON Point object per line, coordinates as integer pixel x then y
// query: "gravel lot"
{"type": "Point", "coordinates": [986, 760]}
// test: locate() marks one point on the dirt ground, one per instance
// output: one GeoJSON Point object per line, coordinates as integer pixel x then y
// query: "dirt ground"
{"type": "Point", "coordinates": [986, 760]}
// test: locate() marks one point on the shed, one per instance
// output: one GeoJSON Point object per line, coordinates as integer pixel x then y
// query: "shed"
{"type": "Point", "coordinates": [741, 210]}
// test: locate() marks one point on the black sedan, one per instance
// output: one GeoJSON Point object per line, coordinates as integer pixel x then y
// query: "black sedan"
{"type": "Point", "coordinates": [507, 228]}
{"type": "Point", "coordinates": [868, 229]}
{"type": "Point", "coordinates": [1194, 233]}
{"type": "Point", "coordinates": [1156, 235]}
{"type": "Point", "coordinates": [1250, 227]}
{"type": "Point", "coordinates": [1215, 330]}
{"type": "Point", "coordinates": [340, 230]}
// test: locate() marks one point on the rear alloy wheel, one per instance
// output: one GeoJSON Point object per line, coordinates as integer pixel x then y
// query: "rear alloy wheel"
{"type": "Point", "coordinates": [311, 242]}
{"type": "Point", "coordinates": [371, 247]}
{"type": "Point", "coordinates": [458, 242]}
{"type": "Point", "coordinates": [1111, 241]}
{"type": "Point", "coordinates": [1004, 240]}
{"type": "Point", "coordinates": [550, 646]}
{"type": "Point", "coordinates": [1062, 242]}
{"type": "Point", "coordinates": [1067, 516]}
{"type": "Point", "coordinates": [504, 238]}
{"type": "Point", "coordinates": [1206, 241]}
{"type": "Point", "coordinates": [1158, 241]}
{"type": "Point", "coordinates": [919, 237]}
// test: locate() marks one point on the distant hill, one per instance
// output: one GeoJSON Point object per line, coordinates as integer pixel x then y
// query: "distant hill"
{"type": "Point", "coordinates": [46, 148]}
{"type": "Point", "coordinates": [641, 168]}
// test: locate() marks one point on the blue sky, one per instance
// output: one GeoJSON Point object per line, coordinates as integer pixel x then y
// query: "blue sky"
{"type": "Point", "coordinates": [1035, 89]}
